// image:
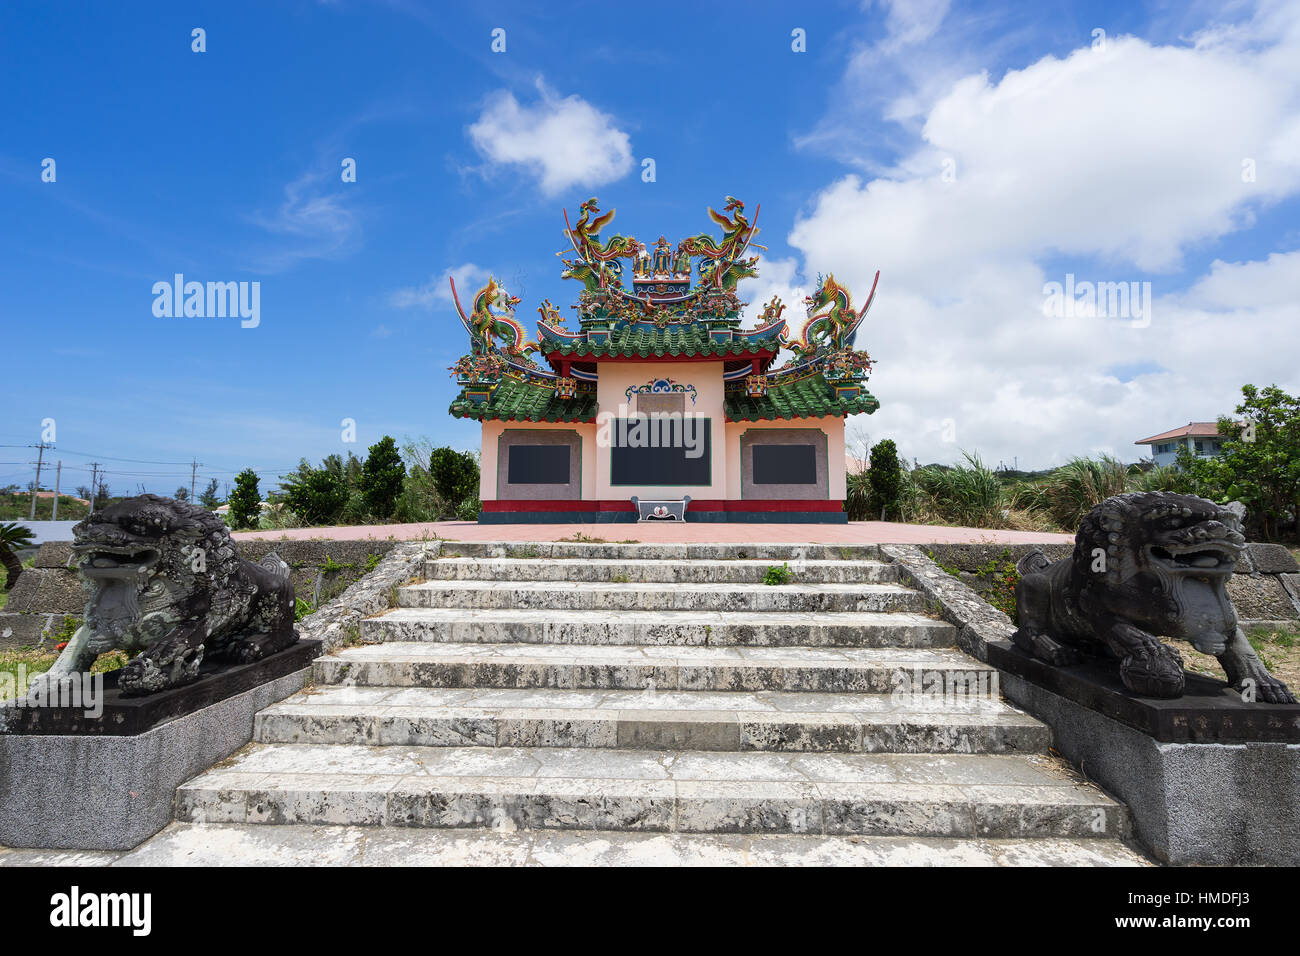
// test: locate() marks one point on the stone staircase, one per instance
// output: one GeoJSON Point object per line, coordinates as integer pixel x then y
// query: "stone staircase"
{"type": "Point", "coordinates": [634, 689]}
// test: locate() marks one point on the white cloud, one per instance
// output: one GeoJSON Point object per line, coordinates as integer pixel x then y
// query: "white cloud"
{"type": "Point", "coordinates": [437, 291]}
{"type": "Point", "coordinates": [913, 21]}
{"type": "Point", "coordinates": [1127, 157]}
{"type": "Point", "coordinates": [317, 224]}
{"type": "Point", "coordinates": [1273, 283]}
{"type": "Point", "coordinates": [561, 141]}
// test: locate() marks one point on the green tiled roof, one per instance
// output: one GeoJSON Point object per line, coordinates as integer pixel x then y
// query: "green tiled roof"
{"type": "Point", "coordinates": [672, 340]}
{"type": "Point", "coordinates": [807, 398]}
{"type": "Point", "coordinates": [515, 400]}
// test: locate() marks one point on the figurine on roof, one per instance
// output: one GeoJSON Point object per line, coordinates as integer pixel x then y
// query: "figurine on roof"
{"type": "Point", "coordinates": [494, 332]}
{"type": "Point", "coordinates": [600, 258]}
{"type": "Point", "coordinates": [832, 321]}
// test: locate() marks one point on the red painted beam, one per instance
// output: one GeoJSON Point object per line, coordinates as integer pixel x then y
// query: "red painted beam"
{"type": "Point", "coordinates": [554, 357]}
{"type": "Point", "coordinates": [745, 504]}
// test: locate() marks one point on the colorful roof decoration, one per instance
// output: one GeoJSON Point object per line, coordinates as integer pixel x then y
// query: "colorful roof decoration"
{"type": "Point", "coordinates": [809, 397]}
{"type": "Point", "coordinates": [513, 399]}
{"type": "Point", "coordinates": [644, 340]}
{"type": "Point", "coordinates": [667, 302]}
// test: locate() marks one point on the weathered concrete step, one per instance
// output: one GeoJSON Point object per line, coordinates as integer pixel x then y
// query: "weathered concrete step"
{"type": "Point", "coordinates": [245, 844]}
{"type": "Point", "coordinates": [674, 720]}
{"type": "Point", "coordinates": [632, 667]}
{"type": "Point", "coordinates": [682, 791]}
{"type": "Point", "coordinates": [609, 596]}
{"type": "Point", "coordinates": [712, 628]}
{"type": "Point", "coordinates": [740, 571]}
{"type": "Point", "coordinates": [636, 551]}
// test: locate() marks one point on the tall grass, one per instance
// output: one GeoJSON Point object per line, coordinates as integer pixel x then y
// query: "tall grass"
{"type": "Point", "coordinates": [969, 494]}
{"type": "Point", "coordinates": [976, 496]}
{"type": "Point", "coordinates": [1159, 478]}
{"type": "Point", "coordinates": [1081, 484]}
{"type": "Point", "coordinates": [857, 499]}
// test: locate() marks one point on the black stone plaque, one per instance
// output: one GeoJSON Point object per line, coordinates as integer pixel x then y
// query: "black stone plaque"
{"type": "Point", "coordinates": [538, 465]}
{"type": "Point", "coordinates": [785, 464]}
{"type": "Point", "coordinates": [637, 458]}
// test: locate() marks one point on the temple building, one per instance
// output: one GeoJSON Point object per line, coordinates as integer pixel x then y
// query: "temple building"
{"type": "Point", "coordinates": [659, 405]}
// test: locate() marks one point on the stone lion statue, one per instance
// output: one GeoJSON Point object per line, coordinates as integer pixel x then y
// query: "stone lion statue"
{"type": "Point", "coordinates": [162, 577]}
{"type": "Point", "coordinates": [1145, 565]}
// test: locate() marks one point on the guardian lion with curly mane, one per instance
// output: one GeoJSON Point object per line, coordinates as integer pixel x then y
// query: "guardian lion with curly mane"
{"type": "Point", "coordinates": [163, 578]}
{"type": "Point", "coordinates": [1145, 565]}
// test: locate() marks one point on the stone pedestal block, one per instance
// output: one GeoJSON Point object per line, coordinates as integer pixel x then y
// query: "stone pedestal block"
{"type": "Point", "coordinates": [109, 790]}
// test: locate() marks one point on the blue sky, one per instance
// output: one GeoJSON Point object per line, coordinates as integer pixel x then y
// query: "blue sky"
{"type": "Point", "coordinates": [1109, 162]}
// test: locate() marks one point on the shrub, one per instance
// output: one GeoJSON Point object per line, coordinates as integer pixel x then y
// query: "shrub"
{"type": "Point", "coordinates": [316, 496]}
{"type": "Point", "coordinates": [455, 477]}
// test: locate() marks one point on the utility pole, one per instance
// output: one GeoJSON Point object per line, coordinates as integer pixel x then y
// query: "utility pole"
{"type": "Point", "coordinates": [58, 476]}
{"type": "Point", "coordinates": [40, 457]}
{"type": "Point", "coordinates": [195, 465]}
{"type": "Point", "coordinates": [94, 484]}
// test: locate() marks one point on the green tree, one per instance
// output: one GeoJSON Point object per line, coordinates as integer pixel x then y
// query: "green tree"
{"type": "Point", "coordinates": [208, 497]}
{"type": "Point", "coordinates": [317, 497]}
{"type": "Point", "coordinates": [182, 494]}
{"type": "Point", "coordinates": [381, 477]}
{"type": "Point", "coordinates": [245, 501]}
{"type": "Point", "coordinates": [1260, 460]}
{"type": "Point", "coordinates": [886, 478]}
{"type": "Point", "coordinates": [13, 537]}
{"type": "Point", "coordinates": [455, 477]}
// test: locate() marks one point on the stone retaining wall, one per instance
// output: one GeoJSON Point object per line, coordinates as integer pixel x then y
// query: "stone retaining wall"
{"type": "Point", "coordinates": [339, 622]}
{"type": "Point", "coordinates": [1266, 586]}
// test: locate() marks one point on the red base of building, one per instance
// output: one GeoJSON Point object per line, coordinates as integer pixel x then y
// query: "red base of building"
{"type": "Point", "coordinates": [770, 510]}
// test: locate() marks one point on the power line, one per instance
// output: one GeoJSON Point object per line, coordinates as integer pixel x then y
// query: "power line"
{"type": "Point", "coordinates": [149, 461]}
